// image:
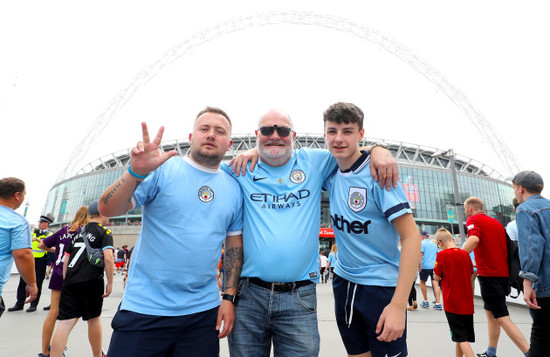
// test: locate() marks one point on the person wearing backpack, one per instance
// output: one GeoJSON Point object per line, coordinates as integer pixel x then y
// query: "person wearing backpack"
{"type": "Point", "coordinates": [83, 287]}
{"type": "Point", "coordinates": [533, 221]}
{"type": "Point", "coordinates": [487, 238]}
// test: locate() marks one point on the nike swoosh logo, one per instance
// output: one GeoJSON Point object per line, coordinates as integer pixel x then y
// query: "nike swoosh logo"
{"type": "Point", "coordinates": [258, 178]}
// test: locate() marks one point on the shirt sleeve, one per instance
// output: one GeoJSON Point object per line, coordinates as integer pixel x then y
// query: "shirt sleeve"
{"type": "Point", "coordinates": [20, 237]}
{"type": "Point", "coordinates": [328, 183]}
{"type": "Point", "coordinates": [438, 263]}
{"type": "Point", "coordinates": [511, 229]}
{"type": "Point", "coordinates": [530, 245]}
{"type": "Point", "coordinates": [107, 240]}
{"type": "Point", "coordinates": [236, 226]}
{"type": "Point", "coordinates": [473, 229]}
{"type": "Point", "coordinates": [393, 203]}
{"type": "Point", "coordinates": [52, 240]}
{"type": "Point", "coordinates": [148, 189]}
{"type": "Point", "coordinates": [324, 162]}
{"type": "Point", "coordinates": [224, 167]}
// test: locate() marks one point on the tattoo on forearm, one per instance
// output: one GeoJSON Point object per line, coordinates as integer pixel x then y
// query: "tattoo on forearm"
{"type": "Point", "coordinates": [109, 195]}
{"type": "Point", "coordinates": [233, 263]}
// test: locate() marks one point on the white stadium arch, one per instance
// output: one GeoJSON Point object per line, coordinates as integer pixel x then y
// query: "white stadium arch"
{"type": "Point", "coordinates": [294, 18]}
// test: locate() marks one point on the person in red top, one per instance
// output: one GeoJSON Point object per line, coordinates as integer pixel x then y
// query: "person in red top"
{"type": "Point", "coordinates": [487, 238]}
{"type": "Point", "coordinates": [453, 268]}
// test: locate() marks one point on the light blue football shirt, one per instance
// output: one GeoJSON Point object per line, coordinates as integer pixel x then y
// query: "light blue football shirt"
{"type": "Point", "coordinates": [15, 233]}
{"type": "Point", "coordinates": [361, 213]}
{"type": "Point", "coordinates": [333, 259]}
{"type": "Point", "coordinates": [429, 254]}
{"type": "Point", "coordinates": [282, 217]}
{"type": "Point", "coordinates": [188, 210]}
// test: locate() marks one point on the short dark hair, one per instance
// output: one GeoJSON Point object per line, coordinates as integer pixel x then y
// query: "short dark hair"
{"type": "Point", "coordinates": [9, 186]}
{"type": "Point", "coordinates": [216, 111]}
{"type": "Point", "coordinates": [344, 113]}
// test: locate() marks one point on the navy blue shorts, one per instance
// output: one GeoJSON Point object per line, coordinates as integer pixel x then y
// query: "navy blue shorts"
{"type": "Point", "coordinates": [171, 336]}
{"type": "Point", "coordinates": [425, 273]}
{"type": "Point", "coordinates": [357, 309]}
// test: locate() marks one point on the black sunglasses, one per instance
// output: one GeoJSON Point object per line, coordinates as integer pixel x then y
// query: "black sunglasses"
{"type": "Point", "coordinates": [282, 131]}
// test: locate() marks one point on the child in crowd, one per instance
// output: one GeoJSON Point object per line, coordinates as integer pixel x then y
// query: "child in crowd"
{"type": "Point", "coordinates": [453, 267]}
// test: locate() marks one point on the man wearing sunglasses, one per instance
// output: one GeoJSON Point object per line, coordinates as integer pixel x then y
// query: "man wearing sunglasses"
{"type": "Point", "coordinates": [282, 204]}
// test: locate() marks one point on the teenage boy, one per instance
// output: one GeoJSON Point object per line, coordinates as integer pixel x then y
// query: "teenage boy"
{"type": "Point", "coordinates": [453, 267]}
{"type": "Point", "coordinates": [83, 287]}
{"type": "Point", "coordinates": [371, 280]}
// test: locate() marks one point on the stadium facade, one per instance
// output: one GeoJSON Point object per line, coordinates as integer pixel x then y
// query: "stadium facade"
{"type": "Point", "coordinates": [426, 177]}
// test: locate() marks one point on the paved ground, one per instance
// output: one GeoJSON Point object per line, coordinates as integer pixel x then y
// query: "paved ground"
{"type": "Point", "coordinates": [428, 333]}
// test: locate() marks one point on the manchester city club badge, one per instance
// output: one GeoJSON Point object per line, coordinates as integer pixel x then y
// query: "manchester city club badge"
{"type": "Point", "coordinates": [297, 176]}
{"type": "Point", "coordinates": [357, 198]}
{"type": "Point", "coordinates": [206, 194]}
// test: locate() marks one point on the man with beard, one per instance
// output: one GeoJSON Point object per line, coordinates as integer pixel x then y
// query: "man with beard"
{"type": "Point", "coordinates": [277, 296]}
{"type": "Point", "coordinates": [171, 304]}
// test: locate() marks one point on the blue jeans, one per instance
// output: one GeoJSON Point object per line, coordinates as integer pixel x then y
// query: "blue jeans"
{"type": "Point", "coordinates": [289, 319]}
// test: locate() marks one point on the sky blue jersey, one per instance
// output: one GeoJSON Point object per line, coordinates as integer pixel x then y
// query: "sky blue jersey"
{"type": "Point", "coordinates": [429, 254]}
{"type": "Point", "coordinates": [188, 210]}
{"type": "Point", "coordinates": [282, 217]}
{"type": "Point", "coordinates": [15, 233]}
{"type": "Point", "coordinates": [361, 213]}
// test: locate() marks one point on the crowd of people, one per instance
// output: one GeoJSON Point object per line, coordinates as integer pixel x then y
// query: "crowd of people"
{"type": "Point", "coordinates": [264, 208]}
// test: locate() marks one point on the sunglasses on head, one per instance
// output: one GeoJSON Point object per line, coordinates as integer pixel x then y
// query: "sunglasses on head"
{"type": "Point", "coordinates": [282, 131]}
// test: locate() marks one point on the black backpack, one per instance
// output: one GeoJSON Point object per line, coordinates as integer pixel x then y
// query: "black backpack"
{"type": "Point", "coordinates": [514, 267]}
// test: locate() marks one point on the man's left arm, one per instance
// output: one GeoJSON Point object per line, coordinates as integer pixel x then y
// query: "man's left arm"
{"type": "Point", "coordinates": [471, 243]}
{"type": "Point", "coordinates": [109, 270]}
{"type": "Point", "coordinates": [391, 323]}
{"type": "Point", "coordinates": [531, 249]}
{"type": "Point", "coordinates": [44, 247]}
{"type": "Point", "coordinates": [66, 264]}
{"type": "Point", "coordinates": [383, 167]}
{"type": "Point", "coordinates": [232, 266]}
{"type": "Point", "coordinates": [24, 261]}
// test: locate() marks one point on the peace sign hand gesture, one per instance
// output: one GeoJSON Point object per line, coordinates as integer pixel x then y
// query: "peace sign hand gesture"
{"type": "Point", "coordinates": [147, 156]}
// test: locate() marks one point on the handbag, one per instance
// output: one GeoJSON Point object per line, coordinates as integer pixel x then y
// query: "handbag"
{"type": "Point", "coordinates": [94, 255]}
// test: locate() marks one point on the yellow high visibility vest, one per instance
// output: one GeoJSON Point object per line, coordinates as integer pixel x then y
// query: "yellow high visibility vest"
{"type": "Point", "coordinates": [39, 253]}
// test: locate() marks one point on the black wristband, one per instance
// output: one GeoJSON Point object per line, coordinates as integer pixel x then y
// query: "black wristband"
{"type": "Point", "coordinates": [230, 297]}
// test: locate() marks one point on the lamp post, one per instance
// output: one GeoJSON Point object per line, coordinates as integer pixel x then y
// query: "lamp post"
{"type": "Point", "coordinates": [450, 216]}
{"type": "Point", "coordinates": [450, 154]}
{"type": "Point", "coordinates": [26, 209]}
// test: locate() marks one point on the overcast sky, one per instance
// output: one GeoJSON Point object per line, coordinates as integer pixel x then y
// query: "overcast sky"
{"type": "Point", "coordinates": [63, 62]}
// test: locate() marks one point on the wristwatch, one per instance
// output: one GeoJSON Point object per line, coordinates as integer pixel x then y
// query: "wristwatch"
{"type": "Point", "coordinates": [230, 297]}
{"type": "Point", "coordinates": [379, 144]}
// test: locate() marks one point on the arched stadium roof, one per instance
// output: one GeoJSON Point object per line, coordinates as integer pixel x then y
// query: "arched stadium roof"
{"type": "Point", "coordinates": [405, 153]}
